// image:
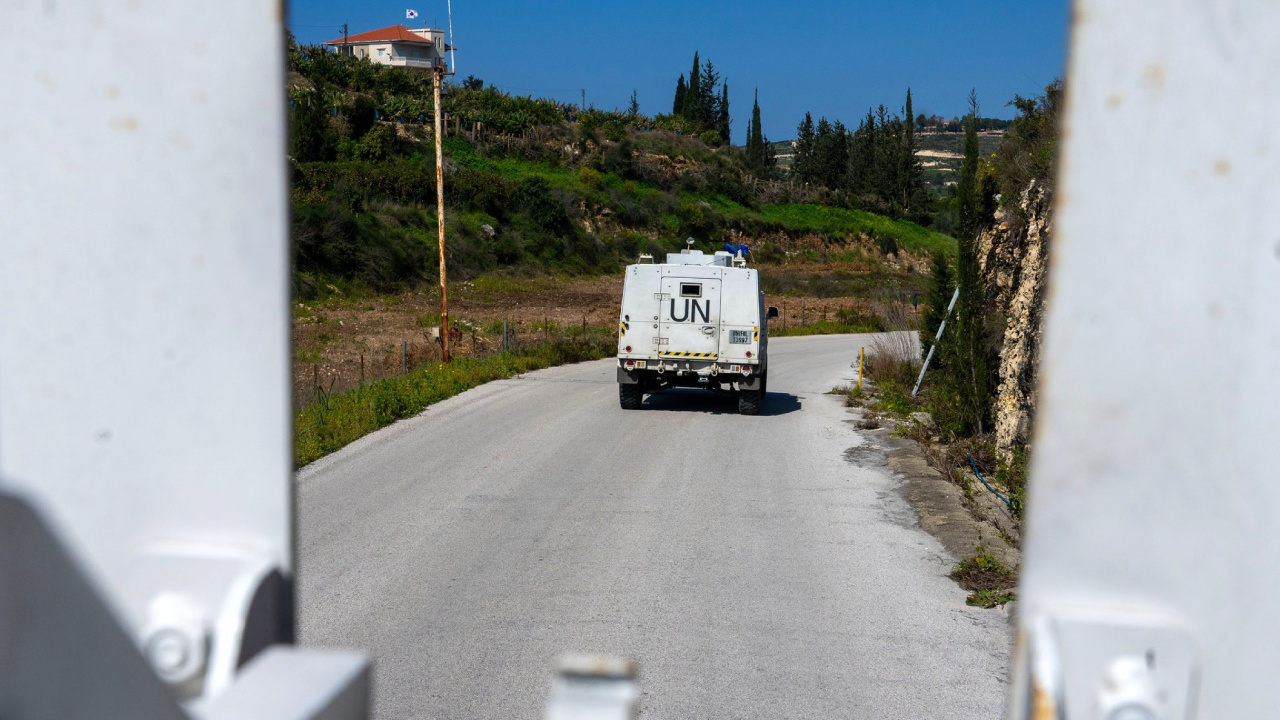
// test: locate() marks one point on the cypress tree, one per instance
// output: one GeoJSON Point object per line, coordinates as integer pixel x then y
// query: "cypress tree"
{"type": "Point", "coordinates": [862, 157]}
{"type": "Point", "coordinates": [802, 163]}
{"type": "Point", "coordinates": [817, 170]}
{"type": "Point", "coordinates": [634, 108]}
{"type": "Point", "coordinates": [758, 134]}
{"type": "Point", "coordinates": [910, 174]}
{"type": "Point", "coordinates": [886, 158]}
{"type": "Point", "coordinates": [708, 102]}
{"type": "Point", "coordinates": [677, 107]}
{"type": "Point", "coordinates": [722, 113]}
{"type": "Point", "coordinates": [833, 154]}
{"type": "Point", "coordinates": [311, 138]}
{"type": "Point", "coordinates": [966, 353]}
{"type": "Point", "coordinates": [692, 110]}
{"type": "Point", "coordinates": [935, 303]}
{"type": "Point", "coordinates": [756, 159]}
{"type": "Point", "coordinates": [967, 190]}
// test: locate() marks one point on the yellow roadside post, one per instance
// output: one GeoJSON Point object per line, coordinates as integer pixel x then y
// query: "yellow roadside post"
{"type": "Point", "coordinates": [862, 355]}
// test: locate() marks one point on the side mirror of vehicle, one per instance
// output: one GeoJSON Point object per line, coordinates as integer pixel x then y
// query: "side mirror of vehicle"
{"type": "Point", "coordinates": [773, 313]}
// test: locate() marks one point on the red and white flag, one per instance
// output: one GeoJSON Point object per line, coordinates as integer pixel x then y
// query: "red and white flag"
{"type": "Point", "coordinates": [411, 14]}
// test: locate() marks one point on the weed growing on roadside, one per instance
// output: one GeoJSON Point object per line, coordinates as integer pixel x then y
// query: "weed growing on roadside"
{"type": "Point", "coordinates": [987, 599]}
{"type": "Point", "coordinates": [1013, 475]}
{"type": "Point", "coordinates": [988, 581]}
{"type": "Point", "coordinates": [854, 396]}
{"type": "Point", "coordinates": [894, 398]}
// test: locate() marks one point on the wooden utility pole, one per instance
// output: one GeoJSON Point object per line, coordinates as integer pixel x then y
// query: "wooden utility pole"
{"type": "Point", "coordinates": [444, 288]}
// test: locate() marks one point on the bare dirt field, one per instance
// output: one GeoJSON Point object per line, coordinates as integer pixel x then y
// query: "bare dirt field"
{"type": "Point", "coordinates": [340, 341]}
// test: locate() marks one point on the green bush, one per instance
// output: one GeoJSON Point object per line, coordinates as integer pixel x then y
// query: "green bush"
{"type": "Point", "coordinates": [312, 139]}
{"type": "Point", "coordinates": [334, 240]}
{"type": "Point", "coordinates": [589, 177]}
{"type": "Point", "coordinates": [402, 181]}
{"type": "Point", "coordinates": [946, 405]}
{"type": "Point", "coordinates": [378, 144]}
{"type": "Point", "coordinates": [614, 130]}
{"type": "Point", "coordinates": [361, 114]}
{"type": "Point", "coordinates": [485, 192]}
{"type": "Point", "coordinates": [534, 196]}
{"type": "Point", "coordinates": [620, 160]}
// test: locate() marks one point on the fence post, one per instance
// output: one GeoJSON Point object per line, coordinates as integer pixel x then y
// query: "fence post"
{"type": "Point", "coordinates": [404, 357]}
{"type": "Point", "coordinates": [802, 313]}
{"type": "Point", "coordinates": [504, 336]}
{"type": "Point", "coordinates": [361, 369]}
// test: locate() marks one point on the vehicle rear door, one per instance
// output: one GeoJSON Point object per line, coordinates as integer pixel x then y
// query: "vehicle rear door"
{"type": "Point", "coordinates": [689, 319]}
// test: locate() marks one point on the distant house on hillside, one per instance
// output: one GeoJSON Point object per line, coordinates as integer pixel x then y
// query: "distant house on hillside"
{"type": "Point", "coordinates": [396, 45]}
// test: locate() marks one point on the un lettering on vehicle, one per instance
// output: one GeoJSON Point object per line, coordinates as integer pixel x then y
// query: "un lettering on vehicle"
{"type": "Point", "coordinates": [693, 311]}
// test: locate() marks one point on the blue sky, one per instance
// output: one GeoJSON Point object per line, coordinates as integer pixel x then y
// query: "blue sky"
{"type": "Point", "coordinates": [831, 58]}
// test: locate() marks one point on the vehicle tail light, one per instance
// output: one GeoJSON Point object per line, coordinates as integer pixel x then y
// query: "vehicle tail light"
{"type": "Point", "coordinates": [631, 364]}
{"type": "Point", "coordinates": [748, 353]}
{"type": "Point", "coordinates": [628, 348]}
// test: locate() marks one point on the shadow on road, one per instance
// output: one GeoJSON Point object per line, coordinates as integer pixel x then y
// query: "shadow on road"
{"type": "Point", "coordinates": [688, 400]}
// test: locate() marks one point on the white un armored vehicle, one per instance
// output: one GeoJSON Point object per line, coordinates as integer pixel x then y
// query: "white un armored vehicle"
{"type": "Point", "coordinates": [696, 320]}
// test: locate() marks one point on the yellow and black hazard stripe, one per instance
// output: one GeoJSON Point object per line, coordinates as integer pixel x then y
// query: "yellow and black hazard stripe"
{"type": "Point", "coordinates": [755, 336]}
{"type": "Point", "coordinates": [623, 327]}
{"type": "Point", "coordinates": [666, 353]}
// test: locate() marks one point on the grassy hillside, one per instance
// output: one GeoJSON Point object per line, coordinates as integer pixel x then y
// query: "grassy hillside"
{"type": "Point", "coordinates": [532, 186]}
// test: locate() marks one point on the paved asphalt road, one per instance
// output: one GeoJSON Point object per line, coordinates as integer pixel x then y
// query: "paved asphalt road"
{"type": "Point", "coordinates": [748, 565]}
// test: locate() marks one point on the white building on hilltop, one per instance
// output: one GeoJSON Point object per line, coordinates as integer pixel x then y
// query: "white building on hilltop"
{"type": "Point", "coordinates": [396, 45]}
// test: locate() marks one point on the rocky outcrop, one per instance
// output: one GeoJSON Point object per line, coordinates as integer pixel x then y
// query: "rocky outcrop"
{"type": "Point", "coordinates": [1014, 255]}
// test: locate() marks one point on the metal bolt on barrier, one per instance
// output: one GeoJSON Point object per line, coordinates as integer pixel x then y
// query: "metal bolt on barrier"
{"type": "Point", "coordinates": [593, 687]}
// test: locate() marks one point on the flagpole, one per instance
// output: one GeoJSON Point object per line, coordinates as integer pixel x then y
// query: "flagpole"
{"type": "Point", "coordinates": [444, 289]}
{"type": "Point", "coordinates": [453, 52]}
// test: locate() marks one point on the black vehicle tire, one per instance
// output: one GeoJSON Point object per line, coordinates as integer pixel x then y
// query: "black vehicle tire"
{"type": "Point", "coordinates": [749, 402]}
{"type": "Point", "coordinates": [630, 396]}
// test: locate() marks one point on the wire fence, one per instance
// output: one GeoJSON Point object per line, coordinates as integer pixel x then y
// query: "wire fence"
{"type": "Point", "coordinates": [340, 371]}
{"type": "Point", "coordinates": [336, 371]}
{"type": "Point", "coordinates": [878, 316]}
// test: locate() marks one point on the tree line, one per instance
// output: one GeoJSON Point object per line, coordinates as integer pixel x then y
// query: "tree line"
{"type": "Point", "coordinates": [699, 103]}
{"type": "Point", "coordinates": [876, 163]}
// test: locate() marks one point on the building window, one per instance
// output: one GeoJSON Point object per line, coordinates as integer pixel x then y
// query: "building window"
{"type": "Point", "coordinates": [381, 52]}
